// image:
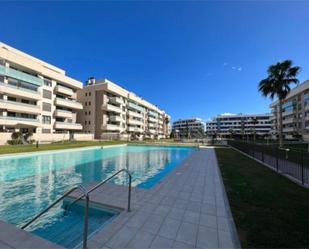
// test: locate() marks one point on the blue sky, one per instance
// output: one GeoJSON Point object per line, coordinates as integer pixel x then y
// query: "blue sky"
{"type": "Point", "coordinates": [190, 58]}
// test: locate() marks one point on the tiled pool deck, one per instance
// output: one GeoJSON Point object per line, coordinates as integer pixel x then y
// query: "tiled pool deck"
{"type": "Point", "coordinates": [187, 209]}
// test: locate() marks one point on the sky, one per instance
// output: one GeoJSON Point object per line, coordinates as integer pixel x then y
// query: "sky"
{"type": "Point", "coordinates": [189, 58]}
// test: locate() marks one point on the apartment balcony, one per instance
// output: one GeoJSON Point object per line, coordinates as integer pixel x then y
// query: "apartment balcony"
{"type": "Point", "coordinates": [135, 114]}
{"type": "Point", "coordinates": [64, 90]}
{"type": "Point", "coordinates": [287, 113]}
{"type": "Point", "coordinates": [116, 100]}
{"type": "Point", "coordinates": [135, 122]}
{"type": "Point", "coordinates": [21, 75]}
{"type": "Point", "coordinates": [68, 126]}
{"type": "Point", "coordinates": [288, 129]}
{"type": "Point", "coordinates": [288, 121]}
{"type": "Point", "coordinates": [19, 92]}
{"type": "Point", "coordinates": [63, 114]}
{"type": "Point", "coordinates": [154, 120]}
{"type": "Point", "coordinates": [72, 104]}
{"type": "Point", "coordinates": [306, 107]}
{"type": "Point", "coordinates": [152, 131]}
{"type": "Point", "coordinates": [19, 107]}
{"type": "Point", "coordinates": [19, 121]}
{"type": "Point", "coordinates": [111, 108]}
{"type": "Point", "coordinates": [110, 127]}
{"type": "Point", "coordinates": [135, 129]}
{"type": "Point", "coordinates": [115, 118]}
{"type": "Point", "coordinates": [152, 125]}
{"type": "Point", "coordinates": [136, 107]}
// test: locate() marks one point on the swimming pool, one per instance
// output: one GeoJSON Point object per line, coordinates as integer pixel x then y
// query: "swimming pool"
{"type": "Point", "coordinates": [30, 182]}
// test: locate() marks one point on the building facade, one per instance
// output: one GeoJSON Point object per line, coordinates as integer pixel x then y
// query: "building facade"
{"type": "Point", "coordinates": [112, 112]}
{"type": "Point", "coordinates": [36, 97]}
{"type": "Point", "coordinates": [189, 128]}
{"type": "Point", "coordinates": [295, 114]}
{"type": "Point", "coordinates": [240, 125]}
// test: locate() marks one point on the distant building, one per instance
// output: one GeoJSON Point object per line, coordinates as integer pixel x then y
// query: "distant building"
{"type": "Point", "coordinates": [239, 125]}
{"type": "Point", "coordinates": [112, 112]}
{"type": "Point", "coordinates": [295, 113]}
{"type": "Point", "coordinates": [189, 128]}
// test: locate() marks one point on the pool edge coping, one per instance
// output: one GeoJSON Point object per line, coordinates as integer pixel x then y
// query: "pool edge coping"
{"type": "Point", "coordinates": [61, 150]}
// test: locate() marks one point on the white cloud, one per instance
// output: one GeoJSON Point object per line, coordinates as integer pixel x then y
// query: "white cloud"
{"type": "Point", "coordinates": [239, 68]}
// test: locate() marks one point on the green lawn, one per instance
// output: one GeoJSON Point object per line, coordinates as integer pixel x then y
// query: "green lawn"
{"type": "Point", "coordinates": [269, 210]}
{"type": "Point", "coordinates": [6, 149]}
{"type": "Point", "coordinates": [298, 147]}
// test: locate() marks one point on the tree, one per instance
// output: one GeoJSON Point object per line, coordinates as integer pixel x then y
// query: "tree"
{"type": "Point", "coordinates": [277, 84]}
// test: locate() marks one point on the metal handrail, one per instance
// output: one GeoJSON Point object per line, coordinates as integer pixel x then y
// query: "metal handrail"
{"type": "Point", "coordinates": [48, 208]}
{"type": "Point", "coordinates": [86, 195]}
{"type": "Point", "coordinates": [102, 183]}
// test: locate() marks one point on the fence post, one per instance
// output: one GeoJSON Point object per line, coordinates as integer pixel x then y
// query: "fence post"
{"type": "Point", "coordinates": [302, 168]}
{"type": "Point", "coordinates": [277, 163]}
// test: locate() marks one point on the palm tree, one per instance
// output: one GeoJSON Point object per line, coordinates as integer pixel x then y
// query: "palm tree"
{"type": "Point", "coordinates": [277, 84]}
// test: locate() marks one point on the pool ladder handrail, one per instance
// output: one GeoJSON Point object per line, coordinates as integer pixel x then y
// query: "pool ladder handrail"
{"type": "Point", "coordinates": [86, 195]}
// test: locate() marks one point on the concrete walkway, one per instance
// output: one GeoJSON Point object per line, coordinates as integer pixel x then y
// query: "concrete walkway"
{"type": "Point", "coordinates": [187, 209]}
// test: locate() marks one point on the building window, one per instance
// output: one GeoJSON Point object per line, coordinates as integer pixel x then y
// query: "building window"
{"type": "Point", "coordinates": [89, 122]}
{"type": "Point", "coordinates": [86, 94]}
{"type": "Point", "coordinates": [47, 107]}
{"type": "Point", "coordinates": [47, 82]}
{"type": "Point", "coordinates": [47, 94]}
{"type": "Point", "coordinates": [85, 122]}
{"type": "Point", "coordinates": [46, 131]}
{"type": "Point", "coordinates": [89, 103]}
{"type": "Point", "coordinates": [46, 119]}
{"type": "Point", "coordinates": [89, 94]}
{"type": "Point", "coordinates": [89, 112]}
{"type": "Point", "coordinates": [86, 113]}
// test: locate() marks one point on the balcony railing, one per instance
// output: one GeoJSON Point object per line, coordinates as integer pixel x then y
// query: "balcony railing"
{"type": "Point", "coordinates": [20, 88]}
{"type": "Point", "coordinates": [19, 103]}
{"type": "Point", "coordinates": [68, 103]}
{"type": "Point", "coordinates": [21, 75]}
{"type": "Point", "coordinates": [35, 120]}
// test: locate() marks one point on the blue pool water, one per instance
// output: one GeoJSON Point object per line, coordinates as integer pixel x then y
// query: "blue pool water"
{"type": "Point", "coordinates": [67, 227]}
{"type": "Point", "coordinates": [29, 183]}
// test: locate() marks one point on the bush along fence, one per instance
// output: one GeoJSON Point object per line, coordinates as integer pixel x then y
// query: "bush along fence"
{"type": "Point", "coordinates": [294, 164]}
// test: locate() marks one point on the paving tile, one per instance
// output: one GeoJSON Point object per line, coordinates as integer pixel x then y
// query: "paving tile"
{"type": "Point", "coordinates": [122, 237]}
{"type": "Point", "coordinates": [225, 239]}
{"type": "Point", "coordinates": [223, 224]}
{"type": "Point", "coordinates": [187, 233]}
{"type": "Point", "coordinates": [191, 217]}
{"type": "Point", "coordinates": [141, 240]}
{"type": "Point", "coordinates": [176, 213]}
{"type": "Point", "coordinates": [169, 228]}
{"type": "Point", "coordinates": [161, 243]}
{"type": "Point", "coordinates": [153, 223]}
{"type": "Point", "coordinates": [209, 209]}
{"type": "Point", "coordinates": [181, 245]}
{"type": "Point", "coordinates": [208, 221]}
{"type": "Point", "coordinates": [207, 237]}
{"type": "Point", "coordinates": [138, 219]}
{"type": "Point", "coordinates": [162, 210]}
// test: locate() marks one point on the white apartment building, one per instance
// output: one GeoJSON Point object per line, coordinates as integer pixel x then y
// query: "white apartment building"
{"type": "Point", "coordinates": [112, 112]}
{"type": "Point", "coordinates": [239, 125]}
{"type": "Point", "coordinates": [295, 113]}
{"type": "Point", "coordinates": [189, 128]}
{"type": "Point", "coordinates": [36, 97]}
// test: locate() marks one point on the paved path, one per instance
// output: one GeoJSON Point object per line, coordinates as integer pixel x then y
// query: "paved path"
{"type": "Point", "coordinates": [187, 209]}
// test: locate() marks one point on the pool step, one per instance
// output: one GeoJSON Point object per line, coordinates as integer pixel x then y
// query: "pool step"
{"type": "Point", "coordinates": [67, 228]}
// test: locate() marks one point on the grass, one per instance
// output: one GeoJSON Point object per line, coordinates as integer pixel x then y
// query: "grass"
{"type": "Point", "coordinates": [8, 149]}
{"type": "Point", "coordinates": [298, 147]}
{"type": "Point", "coordinates": [269, 210]}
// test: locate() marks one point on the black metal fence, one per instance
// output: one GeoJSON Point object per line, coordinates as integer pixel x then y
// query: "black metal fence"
{"type": "Point", "coordinates": [289, 162]}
